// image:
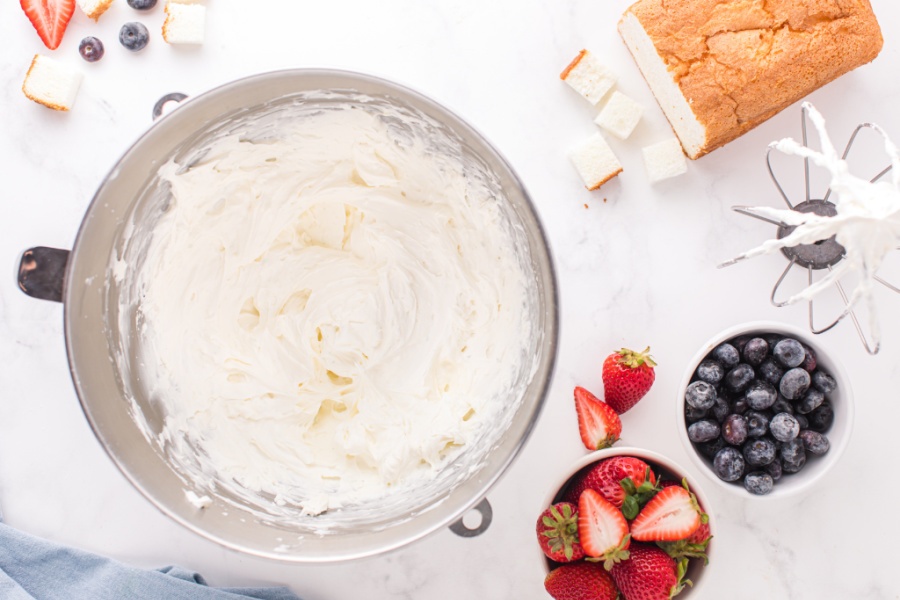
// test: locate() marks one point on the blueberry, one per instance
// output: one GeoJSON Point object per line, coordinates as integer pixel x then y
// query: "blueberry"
{"type": "Point", "coordinates": [821, 419]}
{"type": "Point", "coordinates": [759, 483]}
{"type": "Point", "coordinates": [740, 406]}
{"type": "Point", "coordinates": [692, 415]}
{"type": "Point", "coordinates": [772, 338]}
{"type": "Point", "coordinates": [738, 378]}
{"type": "Point", "coordinates": [728, 464]}
{"type": "Point", "coordinates": [759, 452]}
{"type": "Point", "coordinates": [761, 395]}
{"type": "Point", "coordinates": [700, 395]}
{"type": "Point", "coordinates": [809, 361]}
{"type": "Point", "coordinates": [142, 4]}
{"type": "Point", "coordinates": [789, 352]}
{"type": "Point", "coordinates": [794, 383]}
{"type": "Point", "coordinates": [91, 49]}
{"type": "Point", "coordinates": [757, 423]}
{"type": "Point", "coordinates": [824, 382]}
{"type": "Point", "coordinates": [703, 431]}
{"type": "Point", "coordinates": [734, 429]}
{"type": "Point", "coordinates": [710, 371]}
{"type": "Point", "coordinates": [755, 351]}
{"type": "Point", "coordinates": [739, 342]}
{"type": "Point", "coordinates": [134, 36]}
{"type": "Point", "coordinates": [802, 420]}
{"type": "Point", "coordinates": [815, 442]}
{"type": "Point", "coordinates": [810, 401]}
{"type": "Point", "coordinates": [774, 469]}
{"type": "Point", "coordinates": [784, 427]}
{"type": "Point", "coordinates": [710, 449]}
{"type": "Point", "coordinates": [782, 406]}
{"type": "Point", "coordinates": [720, 410]}
{"type": "Point", "coordinates": [770, 371]}
{"type": "Point", "coordinates": [727, 355]}
{"type": "Point", "coordinates": [793, 456]}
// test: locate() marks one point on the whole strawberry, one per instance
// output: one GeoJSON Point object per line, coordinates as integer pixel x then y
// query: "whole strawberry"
{"type": "Point", "coordinates": [626, 482]}
{"type": "Point", "coordinates": [557, 532]}
{"type": "Point", "coordinates": [580, 581]}
{"type": "Point", "coordinates": [649, 574]}
{"type": "Point", "coordinates": [598, 423]}
{"type": "Point", "coordinates": [627, 377]}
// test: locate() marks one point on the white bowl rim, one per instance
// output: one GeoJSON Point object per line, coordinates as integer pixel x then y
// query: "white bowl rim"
{"type": "Point", "coordinates": [836, 369]}
{"type": "Point", "coordinates": [650, 456]}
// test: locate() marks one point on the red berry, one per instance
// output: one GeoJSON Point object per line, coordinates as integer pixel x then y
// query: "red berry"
{"type": "Point", "coordinates": [649, 574]}
{"type": "Point", "coordinates": [557, 532]}
{"type": "Point", "coordinates": [580, 581]}
{"type": "Point", "coordinates": [602, 529]}
{"type": "Point", "coordinates": [627, 377]}
{"type": "Point", "coordinates": [598, 423]}
{"type": "Point", "coordinates": [624, 481]}
{"type": "Point", "coordinates": [669, 516]}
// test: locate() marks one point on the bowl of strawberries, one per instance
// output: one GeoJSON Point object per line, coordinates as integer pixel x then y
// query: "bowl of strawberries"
{"type": "Point", "coordinates": [625, 522]}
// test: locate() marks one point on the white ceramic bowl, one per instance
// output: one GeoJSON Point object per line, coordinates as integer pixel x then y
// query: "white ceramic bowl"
{"type": "Point", "coordinates": [841, 400]}
{"type": "Point", "coordinates": [660, 465]}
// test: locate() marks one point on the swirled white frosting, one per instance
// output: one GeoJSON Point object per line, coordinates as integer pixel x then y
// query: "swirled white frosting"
{"type": "Point", "coordinates": [330, 314]}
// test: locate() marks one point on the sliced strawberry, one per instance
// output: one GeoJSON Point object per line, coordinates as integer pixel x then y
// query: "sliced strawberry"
{"type": "Point", "coordinates": [672, 515]}
{"type": "Point", "coordinates": [602, 529]}
{"type": "Point", "coordinates": [598, 423]}
{"type": "Point", "coordinates": [557, 531]}
{"type": "Point", "coordinates": [625, 481]}
{"type": "Point", "coordinates": [695, 545]}
{"type": "Point", "coordinates": [50, 18]}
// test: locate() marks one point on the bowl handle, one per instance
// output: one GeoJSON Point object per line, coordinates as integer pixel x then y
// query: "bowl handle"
{"type": "Point", "coordinates": [487, 515]}
{"type": "Point", "coordinates": [162, 102]}
{"type": "Point", "coordinates": [42, 272]}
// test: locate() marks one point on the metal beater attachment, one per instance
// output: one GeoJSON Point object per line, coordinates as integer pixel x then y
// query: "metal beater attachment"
{"type": "Point", "coordinates": [822, 256]}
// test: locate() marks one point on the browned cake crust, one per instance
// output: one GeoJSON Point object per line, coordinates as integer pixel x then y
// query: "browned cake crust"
{"type": "Point", "coordinates": [739, 62]}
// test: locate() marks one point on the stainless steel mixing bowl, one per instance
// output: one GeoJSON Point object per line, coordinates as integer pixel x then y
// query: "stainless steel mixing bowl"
{"type": "Point", "coordinates": [98, 346]}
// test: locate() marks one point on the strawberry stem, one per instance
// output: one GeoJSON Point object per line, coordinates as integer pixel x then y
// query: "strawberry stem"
{"type": "Point", "coordinates": [633, 360]}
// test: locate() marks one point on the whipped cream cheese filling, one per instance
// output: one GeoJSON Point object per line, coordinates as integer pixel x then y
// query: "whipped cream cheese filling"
{"type": "Point", "coordinates": [330, 315]}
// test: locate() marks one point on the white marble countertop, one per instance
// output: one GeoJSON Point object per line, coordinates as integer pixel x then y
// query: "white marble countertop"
{"type": "Point", "coordinates": [636, 266]}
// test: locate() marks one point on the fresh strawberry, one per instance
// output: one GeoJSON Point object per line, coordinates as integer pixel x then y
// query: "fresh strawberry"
{"type": "Point", "coordinates": [672, 515]}
{"type": "Point", "coordinates": [627, 377]}
{"type": "Point", "coordinates": [580, 581]}
{"type": "Point", "coordinates": [626, 482]}
{"type": "Point", "coordinates": [696, 544]}
{"type": "Point", "coordinates": [702, 535]}
{"type": "Point", "coordinates": [650, 574]}
{"type": "Point", "coordinates": [599, 424]}
{"type": "Point", "coordinates": [602, 529]}
{"type": "Point", "coordinates": [50, 18]}
{"type": "Point", "coordinates": [557, 531]}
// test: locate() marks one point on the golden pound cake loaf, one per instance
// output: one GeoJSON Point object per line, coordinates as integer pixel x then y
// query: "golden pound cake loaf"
{"type": "Point", "coordinates": [719, 68]}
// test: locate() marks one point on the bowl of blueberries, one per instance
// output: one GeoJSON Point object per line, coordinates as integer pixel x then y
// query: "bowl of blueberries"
{"type": "Point", "coordinates": [763, 411]}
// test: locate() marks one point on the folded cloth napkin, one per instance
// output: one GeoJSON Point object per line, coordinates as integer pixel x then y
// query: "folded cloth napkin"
{"type": "Point", "coordinates": [35, 569]}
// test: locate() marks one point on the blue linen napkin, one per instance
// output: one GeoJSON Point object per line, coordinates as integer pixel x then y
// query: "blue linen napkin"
{"type": "Point", "coordinates": [35, 569]}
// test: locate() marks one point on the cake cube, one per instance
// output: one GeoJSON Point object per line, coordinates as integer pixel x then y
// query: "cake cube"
{"type": "Point", "coordinates": [664, 160]}
{"type": "Point", "coordinates": [93, 8]}
{"type": "Point", "coordinates": [595, 162]}
{"type": "Point", "coordinates": [185, 23]}
{"type": "Point", "coordinates": [589, 77]}
{"type": "Point", "coordinates": [51, 83]}
{"type": "Point", "coordinates": [620, 115]}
